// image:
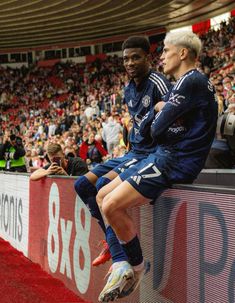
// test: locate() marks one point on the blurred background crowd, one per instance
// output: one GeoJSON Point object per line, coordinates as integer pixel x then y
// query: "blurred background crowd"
{"type": "Point", "coordinates": [79, 106]}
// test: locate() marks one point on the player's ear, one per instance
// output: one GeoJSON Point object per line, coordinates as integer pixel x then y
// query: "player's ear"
{"type": "Point", "coordinates": [183, 53]}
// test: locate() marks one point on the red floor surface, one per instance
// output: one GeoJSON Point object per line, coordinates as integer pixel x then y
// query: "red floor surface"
{"type": "Point", "coordinates": [22, 281]}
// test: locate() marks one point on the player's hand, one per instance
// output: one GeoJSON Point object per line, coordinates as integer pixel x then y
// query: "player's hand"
{"type": "Point", "coordinates": [159, 106]}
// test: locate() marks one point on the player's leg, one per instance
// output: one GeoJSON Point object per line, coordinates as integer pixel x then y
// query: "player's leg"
{"type": "Point", "coordinates": [104, 186]}
{"type": "Point", "coordinates": [115, 248]}
{"type": "Point", "coordinates": [86, 187]}
{"type": "Point", "coordinates": [86, 190]}
{"type": "Point", "coordinates": [144, 185]}
{"type": "Point", "coordinates": [115, 206]}
{"type": "Point", "coordinates": [105, 190]}
{"type": "Point", "coordinates": [111, 247]}
{"type": "Point", "coordinates": [121, 279]}
{"type": "Point", "coordinates": [108, 172]}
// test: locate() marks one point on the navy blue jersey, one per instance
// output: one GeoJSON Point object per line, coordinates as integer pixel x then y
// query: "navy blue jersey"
{"type": "Point", "coordinates": [139, 101]}
{"type": "Point", "coordinates": [187, 123]}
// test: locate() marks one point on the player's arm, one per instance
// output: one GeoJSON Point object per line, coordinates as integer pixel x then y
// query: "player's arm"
{"type": "Point", "coordinates": [179, 102]}
{"type": "Point", "coordinates": [147, 122]}
{"type": "Point", "coordinates": [149, 117]}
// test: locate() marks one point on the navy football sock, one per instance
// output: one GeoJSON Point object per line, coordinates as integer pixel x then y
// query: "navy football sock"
{"type": "Point", "coordinates": [133, 251]}
{"type": "Point", "coordinates": [87, 192]}
{"type": "Point", "coordinates": [116, 250]}
{"type": "Point", "coordinates": [115, 247]}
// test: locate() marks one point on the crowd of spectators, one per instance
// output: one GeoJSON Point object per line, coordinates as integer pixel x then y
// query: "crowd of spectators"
{"type": "Point", "coordinates": [66, 104]}
{"type": "Point", "coordinates": [79, 106]}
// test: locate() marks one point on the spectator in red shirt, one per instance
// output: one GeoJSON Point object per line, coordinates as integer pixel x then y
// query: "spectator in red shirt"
{"type": "Point", "coordinates": [92, 151]}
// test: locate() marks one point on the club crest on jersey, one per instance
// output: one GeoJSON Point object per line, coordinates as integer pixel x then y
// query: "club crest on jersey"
{"type": "Point", "coordinates": [146, 101]}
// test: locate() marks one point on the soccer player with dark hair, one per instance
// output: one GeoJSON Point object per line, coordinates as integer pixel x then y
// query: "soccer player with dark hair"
{"type": "Point", "coordinates": [145, 89]}
{"type": "Point", "coordinates": [183, 128]}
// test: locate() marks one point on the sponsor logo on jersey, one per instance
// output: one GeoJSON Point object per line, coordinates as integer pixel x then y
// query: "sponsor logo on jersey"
{"type": "Point", "coordinates": [176, 99]}
{"type": "Point", "coordinates": [146, 101]}
{"type": "Point", "coordinates": [176, 130]}
{"type": "Point", "coordinates": [136, 131]}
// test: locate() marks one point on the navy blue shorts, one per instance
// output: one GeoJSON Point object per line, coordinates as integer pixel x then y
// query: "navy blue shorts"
{"type": "Point", "coordinates": [150, 176]}
{"type": "Point", "coordinates": [119, 164]}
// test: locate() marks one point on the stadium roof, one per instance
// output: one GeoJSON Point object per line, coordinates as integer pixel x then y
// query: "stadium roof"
{"type": "Point", "coordinates": [34, 23]}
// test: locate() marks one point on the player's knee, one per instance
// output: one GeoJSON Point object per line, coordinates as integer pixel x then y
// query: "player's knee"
{"type": "Point", "coordinates": [101, 182]}
{"type": "Point", "coordinates": [83, 187]}
{"type": "Point", "coordinates": [100, 197]}
{"type": "Point", "coordinates": [79, 183]}
{"type": "Point", "coordinates": [109, 207]}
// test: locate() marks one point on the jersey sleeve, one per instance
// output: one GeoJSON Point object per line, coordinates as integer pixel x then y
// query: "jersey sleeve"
{"type": "Point", "coordinates": [146, 122]}
{"type": "Point", "coordinates": [180, 101]}
{"type": "Point", "coordinates": [162, 86]}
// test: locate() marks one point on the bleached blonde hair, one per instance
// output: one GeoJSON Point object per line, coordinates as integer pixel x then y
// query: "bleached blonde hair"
{"type": "Point", "coordinates": [185, 39]}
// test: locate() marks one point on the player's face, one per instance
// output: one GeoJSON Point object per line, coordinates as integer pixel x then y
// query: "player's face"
{"type": "Point", "coordinates": [171, 59]}
{"type": "Point", "coordinates": [136, 62]}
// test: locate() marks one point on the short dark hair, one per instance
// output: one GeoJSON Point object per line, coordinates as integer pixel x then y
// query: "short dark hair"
{"type": "Point", "coordinates": [137, 42]}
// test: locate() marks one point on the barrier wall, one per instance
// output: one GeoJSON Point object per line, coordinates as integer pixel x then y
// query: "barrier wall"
{"type": "Point", "coordinates": [188, 236]}
{"type": "Point", "coordinates": [224, 177]}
